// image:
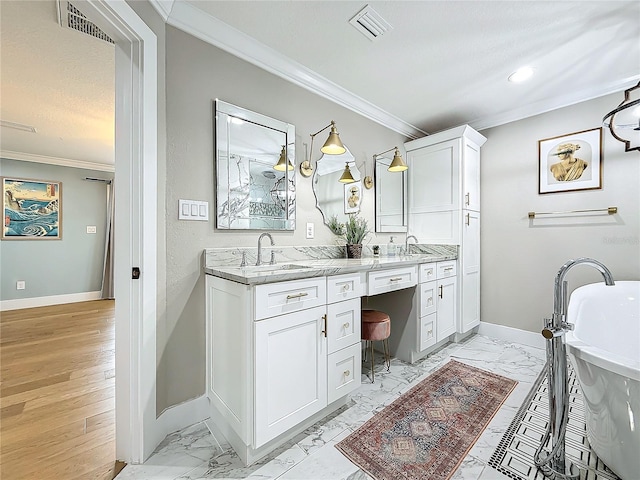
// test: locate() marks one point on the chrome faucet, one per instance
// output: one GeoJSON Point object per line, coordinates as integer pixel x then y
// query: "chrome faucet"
{"type": "Point", "coordinates": [554, 463]}
{"type": "Point", "coordinates": [406, 242]}
{"type": "Point", "coordinates": [268, 235]}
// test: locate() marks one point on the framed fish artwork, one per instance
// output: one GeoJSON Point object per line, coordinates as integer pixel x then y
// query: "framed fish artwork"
{"type": "Point", "coordinates": [32, 209]}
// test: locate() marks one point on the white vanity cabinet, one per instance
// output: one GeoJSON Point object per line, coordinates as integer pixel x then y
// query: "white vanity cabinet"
{"type": "Point", "coordinates": [444, 206]}
{"type": "Point", "coordinates": [279, 356]}
{"type": "Point", "coordinates": [446, 300]}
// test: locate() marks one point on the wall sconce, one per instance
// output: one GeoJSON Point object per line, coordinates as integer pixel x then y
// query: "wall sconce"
{"type": "Point", "coordinates": [333, 146]}
{"type": "Point", "coordinates": [283, 162]}
{"type": "Point", "coordinates": [397, 164]}
{"type": "Point", "coordinates": [624, 117]}
{"type": "Point", "coordinates": [346, 175]}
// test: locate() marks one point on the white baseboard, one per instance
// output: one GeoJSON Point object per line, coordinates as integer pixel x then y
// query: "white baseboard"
{"type": "Point", "coordinates": [511, 334]}
{"type": "Point", "coordinates": [18, 303]}
{"type": "Point", "coordinates": [184, 414]}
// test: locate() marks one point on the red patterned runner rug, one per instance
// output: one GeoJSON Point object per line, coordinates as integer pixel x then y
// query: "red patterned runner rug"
{"type": "Point", "coordinates": [426, 433]}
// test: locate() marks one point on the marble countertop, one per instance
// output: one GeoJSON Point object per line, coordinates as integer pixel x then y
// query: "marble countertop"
{"type": "Point", "coordinates": [293, 270]}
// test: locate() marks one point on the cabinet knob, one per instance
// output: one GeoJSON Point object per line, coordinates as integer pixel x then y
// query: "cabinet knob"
{"type": "Point", "coordinates": [346, 325]}
{"type": "Point", "coordinates": [346, 287]}
{"type": "Point", "coordinates": [430, 332]}
{"type": "Point", "coordinates": [430, 301]}
{"type": "Point", "coordinates": [347, 373]}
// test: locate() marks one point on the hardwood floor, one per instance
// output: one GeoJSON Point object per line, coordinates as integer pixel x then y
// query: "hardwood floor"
{"type": "Point", "coordinates": [57, 400]}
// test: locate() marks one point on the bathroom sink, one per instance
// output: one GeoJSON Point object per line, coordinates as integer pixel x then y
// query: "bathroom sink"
{"type": "Point", "coordinates": [274, 268]}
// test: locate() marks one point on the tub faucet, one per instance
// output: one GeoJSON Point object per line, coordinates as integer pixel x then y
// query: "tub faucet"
{"type": "Point", "coordinates": [553, 463]}
{"type": "Point", "coordinates": [268, 235]}
{"type": "Point", "coordinates": [406, 242]}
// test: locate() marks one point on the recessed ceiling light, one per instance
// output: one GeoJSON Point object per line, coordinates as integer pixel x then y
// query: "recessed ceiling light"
{"type": "Point", "coordinates": [521, 75]}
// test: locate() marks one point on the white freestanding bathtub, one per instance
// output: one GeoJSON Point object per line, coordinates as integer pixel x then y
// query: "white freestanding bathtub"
{"type": "Point", "coordinates": [604, 349]}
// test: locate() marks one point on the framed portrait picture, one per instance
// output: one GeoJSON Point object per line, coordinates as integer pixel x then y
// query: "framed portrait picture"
{"type": "Point", "coordinates": [570, 162]}
{"type": "Point", "coordinates": [32, 209]}
{"type": "Point", "coordinates": [352, 197]}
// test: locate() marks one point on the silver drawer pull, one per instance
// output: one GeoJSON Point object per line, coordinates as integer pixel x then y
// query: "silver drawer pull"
{"type": "Point", "coordinates": [297, 295]}
{"type": "Point", "coordinates": [346, 373]}
{"type": "Point", "coordinates": [448, 269]}
{"type": "Point", "coordinates": [346, 287]}
{"type": "Point", "coordinates": [395, 279]}
{"type": "Point", "coordinates": [346, 325]}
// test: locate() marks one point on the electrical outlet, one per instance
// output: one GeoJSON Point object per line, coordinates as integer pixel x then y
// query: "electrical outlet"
{"type": "Point", "coordinates": [91, 229]}
{"type": "Point", "coordinates": [310, 230]}
{"type": "Point", "coordinates": [21, 285]}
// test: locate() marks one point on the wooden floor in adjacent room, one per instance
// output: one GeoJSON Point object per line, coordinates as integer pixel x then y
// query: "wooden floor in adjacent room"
{"type": "Point", "coordinates": [57, 392]}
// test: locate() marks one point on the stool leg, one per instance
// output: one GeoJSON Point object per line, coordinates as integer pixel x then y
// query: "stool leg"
{"type": "Point", "coordinates": [372, 369]}
{"type": "Point", "coordinates": [387, 355]}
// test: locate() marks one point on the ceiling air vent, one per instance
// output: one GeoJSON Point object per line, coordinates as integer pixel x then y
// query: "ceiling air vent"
{"type": "Point", "coordinates": [70, 17]}
{"type": "Point", "coordinates": [369, 22]}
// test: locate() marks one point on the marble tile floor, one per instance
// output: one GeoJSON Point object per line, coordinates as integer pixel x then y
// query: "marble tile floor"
{"type": "Point", "coordinates": [194, 453]}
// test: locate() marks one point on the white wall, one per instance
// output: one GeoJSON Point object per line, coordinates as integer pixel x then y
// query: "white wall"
{"type": "Point", "coordinates": [521, 258]}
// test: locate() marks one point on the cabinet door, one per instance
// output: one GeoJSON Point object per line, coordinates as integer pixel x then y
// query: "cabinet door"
{"type": "Point", "coordinates": [343, 324]}
{"type": "Point", "coordinates": [290, 371]}
{"type": "Point", "coordinates": [427, 334]}
{"type": "Point", "coordinates": [434, 182]}
{"type": "Point", "coordinates": [471, 177]}
{"type": "Point", "coordinates": [446, 308]}
{"type": "Point", "coordinates": [470, 277]}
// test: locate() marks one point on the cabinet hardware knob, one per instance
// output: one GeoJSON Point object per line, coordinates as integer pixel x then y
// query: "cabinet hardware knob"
{"type": "Point", "coordinates": [346, 325]}
{"type": "Point", "coordinates": [346, 287]}
{"type": "Point", "coordinates": [467, 198]}
{"type": "Point", "coordinates": [324, 329]}
{"type": "Point", "coordinates": [440, 294]}
{"type": "Point", "coordinates": [430, 332]}
{"type": "Point", "coordinates": [347, 373]}
{"type": "Point", "coordinates": [395, 279]}
{"type": "Point", "coordinates": [297, 295]}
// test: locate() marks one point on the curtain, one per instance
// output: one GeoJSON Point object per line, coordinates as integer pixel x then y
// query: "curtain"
{"type": "Point", "coordinates": [107, 271]}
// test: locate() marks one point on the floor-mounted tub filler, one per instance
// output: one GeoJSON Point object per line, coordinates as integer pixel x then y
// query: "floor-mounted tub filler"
{"type": "Point", "coordinates": [553, 463]}
{"type": "Point", "coordinates": [604, 349]}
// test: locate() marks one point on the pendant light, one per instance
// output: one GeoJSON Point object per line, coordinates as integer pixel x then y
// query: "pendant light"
{"type": "Point", "coordinates": [333, 146]}
{"type": "Point", "coordinates": [283, 162]}
{"type": "Point", "coordinates": [624, 121]}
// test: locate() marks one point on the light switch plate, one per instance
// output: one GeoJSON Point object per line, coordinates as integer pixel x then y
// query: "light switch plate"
{"type": "Point", "coordinates": [193, 210]}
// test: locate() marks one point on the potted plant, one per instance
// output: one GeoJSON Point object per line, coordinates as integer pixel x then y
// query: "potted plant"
{"type": "Point", "coordinates": [355, 229]}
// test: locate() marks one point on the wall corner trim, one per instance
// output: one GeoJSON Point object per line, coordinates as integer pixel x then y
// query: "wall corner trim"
{"type": "Point", "coordinates": [511, 334]}
{"type": "Point", "coordinates": [207, 28]}
{"type": "Point", "coordinates": [62, 162]}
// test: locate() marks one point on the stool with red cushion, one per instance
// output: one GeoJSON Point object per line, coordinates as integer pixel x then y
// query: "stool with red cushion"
{"type": "Point", "coordinates": [376, 326]}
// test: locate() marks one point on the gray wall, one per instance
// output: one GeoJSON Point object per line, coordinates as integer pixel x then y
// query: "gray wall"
{"type": "Point", "coordinates": [520, 259]}
{"type": "Point", "coordinates": [72, 264]}
{"type": "Point", "coordinates": [196, 74]}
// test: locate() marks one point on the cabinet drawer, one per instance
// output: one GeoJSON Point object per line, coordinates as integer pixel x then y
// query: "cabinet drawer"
{"type": "Point", "coordinates": [446, 269]}
{"type": "Point", "coordinates": [343, 324]}
{"type": "Point", "coordinates": [427, 272]}
{"type": "Point", "coordinates": [427, 298]}
{"type": "Point", "coordinates": [343, 287]}
{"type": "Point", "coordinates": [343, 372]}
{"type": "Point", "coordinates": [273, 299]}
{"type": "Point", "coordinates": [427, 336]}
{"type": "Point", "coordinates": [389, 280]}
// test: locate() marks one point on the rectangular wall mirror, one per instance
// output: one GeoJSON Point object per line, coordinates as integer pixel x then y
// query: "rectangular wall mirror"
{"type": "Point", "coordinates": [391, 197]}
{"type": "Point", "coordinates": [250, 193]}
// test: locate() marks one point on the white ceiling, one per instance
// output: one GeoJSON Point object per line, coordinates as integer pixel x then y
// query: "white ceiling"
{"type": "Point", "coordinates": [442, 64]}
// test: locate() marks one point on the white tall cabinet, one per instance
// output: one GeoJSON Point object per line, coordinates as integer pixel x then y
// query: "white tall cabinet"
{"type": "Point", "coordinates": [444, 206]}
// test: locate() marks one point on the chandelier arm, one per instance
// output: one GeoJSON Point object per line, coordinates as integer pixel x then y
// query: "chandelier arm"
{"type": "Point", "coordinates": [619, 109]}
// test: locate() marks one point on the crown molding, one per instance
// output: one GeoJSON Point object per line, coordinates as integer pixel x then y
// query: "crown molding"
{"type": "Point", "coordinates": [62, 162]}
{"type": "Point", "coordinates": [197, 23]}
{"type": "Point", "coordinates": [545, 106]}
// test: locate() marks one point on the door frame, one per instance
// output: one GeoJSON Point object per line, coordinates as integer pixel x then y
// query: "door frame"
{"type": "Point", "coordinates": [136, 147]}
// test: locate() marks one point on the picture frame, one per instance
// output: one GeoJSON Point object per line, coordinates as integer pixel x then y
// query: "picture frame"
{"type": "Point", "coordinates": [570, 162]}
{"type": "Point", "coordinates": [32, 209]}
{"type": "Point", "coordinates": [352, 197]}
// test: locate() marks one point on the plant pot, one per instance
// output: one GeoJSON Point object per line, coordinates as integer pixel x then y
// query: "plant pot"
{"type": "Point", "coordinates": [354, 250]}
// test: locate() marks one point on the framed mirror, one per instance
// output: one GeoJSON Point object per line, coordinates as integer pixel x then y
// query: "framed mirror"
{"type": "Point", "coordinates": [250, 193]}
{"type": "Point", "coordinates": [332, 196]}
{"type": "Point", "coordinates": [391, 197]}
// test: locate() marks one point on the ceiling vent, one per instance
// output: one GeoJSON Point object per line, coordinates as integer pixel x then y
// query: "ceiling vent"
{"type": "Point", "coordinates": [70, 17]}
{"type": "Point", "coordinates": [369, 22]}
